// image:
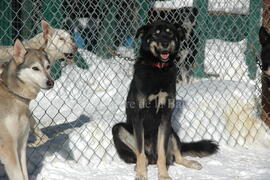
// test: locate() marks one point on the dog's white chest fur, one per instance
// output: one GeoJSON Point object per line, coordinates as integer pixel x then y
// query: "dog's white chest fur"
{"type": "Point", "coordinates": [160, 97]}
{"type": "Point", "coordinates": [17, 125]}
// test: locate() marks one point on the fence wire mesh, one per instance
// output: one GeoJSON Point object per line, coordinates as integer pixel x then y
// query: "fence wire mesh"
{"type": "Point", "coordinates": [219, 80]}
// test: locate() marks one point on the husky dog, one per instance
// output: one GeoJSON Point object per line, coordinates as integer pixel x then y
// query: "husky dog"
{"type": "Point", "coordinates": [57, 43]}
{"type": "Point", "coordinates": [147, 136]}
{"type": "Point", "coordinates": [21, 80]}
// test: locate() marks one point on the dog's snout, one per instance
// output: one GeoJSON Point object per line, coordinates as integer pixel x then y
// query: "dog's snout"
{"type": "Point", "coordinates": [165, 44]}
{"type": "Point", "coordinates": [50, 83]}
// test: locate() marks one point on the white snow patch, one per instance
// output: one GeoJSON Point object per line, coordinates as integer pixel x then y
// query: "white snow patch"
{"type": "Point", "coordinates": [233, 6]}
{"type": "Point", "coordinates": [229, 163]}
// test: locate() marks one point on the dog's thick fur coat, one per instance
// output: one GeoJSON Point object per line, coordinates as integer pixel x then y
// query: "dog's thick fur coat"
{"type": "Point", "coordinates": [58, 44]}
{"type": "Point", "coordinates": [21, 80]}
{"type": "Point", "coordinates": [147, 136]}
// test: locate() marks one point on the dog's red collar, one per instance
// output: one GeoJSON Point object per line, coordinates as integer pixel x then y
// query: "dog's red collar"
{"type": "Point", "coordinates": [160, 65]}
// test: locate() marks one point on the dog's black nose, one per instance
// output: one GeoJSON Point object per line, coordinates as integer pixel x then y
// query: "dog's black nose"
{"type": "Point", "coordinates": [165, 44]}
{"type": "Point", "coordinates": [50, 83]}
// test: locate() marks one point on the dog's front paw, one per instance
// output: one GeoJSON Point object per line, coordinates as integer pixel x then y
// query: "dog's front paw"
{"type": "Point", "coordinates": [141, 177]}
{"type": "Point", "coordinates": [32, 145]}
{"type": "Point", "coordinates": [44, 139]}
{"type": "Point", "coordinates": [39, 141]}
{"type": "Point", "coordinates": [195, 165]}
{"type": "Point", "coordinates": [164, 177]}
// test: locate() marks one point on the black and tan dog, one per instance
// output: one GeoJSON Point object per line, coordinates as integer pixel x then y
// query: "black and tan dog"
{"type": "Point", "coordinates": [147, 136]}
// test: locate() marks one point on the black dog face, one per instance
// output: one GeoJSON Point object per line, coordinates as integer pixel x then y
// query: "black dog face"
{"type": "Point", "coordinates": [160, 40]}
{"type": "Point", "coordinates": [265, 53]}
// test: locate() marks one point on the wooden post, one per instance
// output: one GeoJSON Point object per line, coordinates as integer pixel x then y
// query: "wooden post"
{"type": "Point", "coordinates": [266, 14]}
{"type": "Point", "coordinates": [265, 99]}
{"type": "Point", "coordinates": [265, 114]}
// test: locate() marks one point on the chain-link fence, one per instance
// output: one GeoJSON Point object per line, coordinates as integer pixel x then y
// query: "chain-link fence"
{"type": "Point", "coordinates": [219, 83]}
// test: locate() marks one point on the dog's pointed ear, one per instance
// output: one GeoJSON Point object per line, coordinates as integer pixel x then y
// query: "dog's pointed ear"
{"type": "Point", "coordinates": [19, 52]}
{"type": "Point", "coordinates": [46, 29]}
{"type": "Point", "coordinates": [44, 45]}
{"type": "Point", "coordinates": [264, 36]}
{"type": "Point", "coordinates": [141, 31]}
{"type": "Point", "coordinates": [181, 31]}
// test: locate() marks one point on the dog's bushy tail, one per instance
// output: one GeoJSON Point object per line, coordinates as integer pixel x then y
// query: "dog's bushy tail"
{"type": "Point", "coordinates": [199, 149]}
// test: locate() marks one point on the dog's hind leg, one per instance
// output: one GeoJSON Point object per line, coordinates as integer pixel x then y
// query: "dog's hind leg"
{"type": "Point", "coordinates": [10, 159]}
{"type": "Point", "coordinates": [128, 139]}
{"type": "Point", "coordinates": [124, 142]}
{"type": "Point", "coordinates": [179, 159]}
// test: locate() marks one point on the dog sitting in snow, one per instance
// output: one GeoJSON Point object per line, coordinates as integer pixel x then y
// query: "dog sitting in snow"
{"type": "Point", "coordinates": [147, 137]}
{"type": "Point", "coordinates": [58, 44]}
{"type": "Point", "coordinates": [21, 80]}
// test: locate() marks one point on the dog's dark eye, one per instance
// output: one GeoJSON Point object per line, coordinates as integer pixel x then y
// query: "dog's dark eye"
{"type": "Point", "coordinates": [170, 34]}
{"type": "Point", "coordinates": [48, 67]}
{"type": "Point", "coordinates": [35, 68]}
{"type": "Point", "coordinates": [61, 39]}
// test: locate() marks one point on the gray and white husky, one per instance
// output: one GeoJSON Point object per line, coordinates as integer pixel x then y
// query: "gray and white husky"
{"type": "Point", "coordinates": [58, 44]}
{"type": "Point", "coordinates": [21, 80]}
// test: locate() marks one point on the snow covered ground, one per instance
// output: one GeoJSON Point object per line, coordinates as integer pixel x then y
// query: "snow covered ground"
{"type": "Point", "coordinates": [83, 106]}
{"type": "Point", "coordinates": [228, 164]}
